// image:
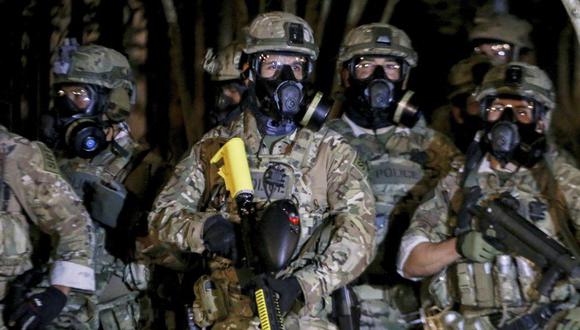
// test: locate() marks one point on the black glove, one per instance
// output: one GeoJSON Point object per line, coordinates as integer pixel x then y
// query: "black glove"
{"type": "Point", "coordinates": [39, 310]}
{"type": "Point", "coordinates": [219, 237]}
{"type": "Point", "coordinates": [288, 290]}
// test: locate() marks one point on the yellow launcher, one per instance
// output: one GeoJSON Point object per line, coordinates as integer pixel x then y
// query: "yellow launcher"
{"type": "Point", "coordinates": [235, 171]}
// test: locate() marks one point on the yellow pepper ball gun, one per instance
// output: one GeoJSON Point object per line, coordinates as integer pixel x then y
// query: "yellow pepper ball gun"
{"type": "Point", "coordinates": [236, 174]}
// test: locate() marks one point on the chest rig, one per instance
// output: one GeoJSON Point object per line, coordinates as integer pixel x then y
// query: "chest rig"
{"type": "Point", "coordinates": [283, 172]}
{"type": "Point", "coordinates": [508, 282]}
{"type": "Point", "coordinates": [99, 182]}
{"type": "Point", "coordinates": [395, 165]}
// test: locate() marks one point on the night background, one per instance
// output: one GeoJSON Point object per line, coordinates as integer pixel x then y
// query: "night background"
{"type": "Point", "coordinates": [166, 40]}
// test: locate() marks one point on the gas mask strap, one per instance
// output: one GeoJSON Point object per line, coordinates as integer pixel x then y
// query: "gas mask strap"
{"type": "Point", "coordinates": [311, 109]}
{"type": "Point", "coordinates": [401, 106]}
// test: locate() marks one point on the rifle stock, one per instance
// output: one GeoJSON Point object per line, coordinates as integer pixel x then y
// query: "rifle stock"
{"type": "Point", "coordinates": [515, 234]}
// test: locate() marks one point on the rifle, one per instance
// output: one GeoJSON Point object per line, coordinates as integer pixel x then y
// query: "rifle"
{"type": "Point", "coordinates": [275, 234]}
{"type": "Point", "coordinates": [510, 232]}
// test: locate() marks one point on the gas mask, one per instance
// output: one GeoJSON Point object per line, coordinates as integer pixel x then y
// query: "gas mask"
{"type": "Point", "coordinates": [510, 140]}
{"type": "Point", "coordinates": [284, 97]}
{"type": "Point", "coordinates": [75, 123]}
{"type": "Point", "coordinates": [377, 101]}
{"type": "Point", "coordinates": [226, 103]}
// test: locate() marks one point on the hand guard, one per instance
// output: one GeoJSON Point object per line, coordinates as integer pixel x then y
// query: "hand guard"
{"type": "Point", "coordinates": [39, 310]}
{"type": "Point", "coordinates": [473, 246]}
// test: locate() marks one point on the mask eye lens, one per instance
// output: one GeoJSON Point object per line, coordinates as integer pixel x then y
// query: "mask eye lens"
{"type": "Point", "coordinates": [271, 65]}
{"type": "Point", "coordinates": [80, 97]}
{"type": "Point", "coordinates": [521, 111]}
{"type": "Point", "coordinates": [365, 67]}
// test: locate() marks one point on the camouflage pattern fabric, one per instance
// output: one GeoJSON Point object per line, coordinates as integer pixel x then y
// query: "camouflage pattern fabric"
{"type": "Point", "coordinates": [404, 165]}
{"type": "Point", "coordinates": [117, 299]}
{"type": "Point", "coordinates": [34, 189]}
{"type": "Point", "coordinates": [505, 286]}
{"type": "Point", "coordinates": [441, 120]}
{"type": "Point", "coordinates": [325, 180]}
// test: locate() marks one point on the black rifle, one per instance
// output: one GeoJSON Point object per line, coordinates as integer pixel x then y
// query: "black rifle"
{"type": "Point", "coordinates": [510, 232]}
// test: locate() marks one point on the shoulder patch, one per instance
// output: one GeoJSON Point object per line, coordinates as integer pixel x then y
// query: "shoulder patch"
{"type": "Point", "coordinates": [48, 160]}
{"type": "Point", "coordinates": [361, 165]}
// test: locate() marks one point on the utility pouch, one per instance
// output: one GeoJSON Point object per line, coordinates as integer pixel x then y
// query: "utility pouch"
{"type": "Point", "coordinates": [484, 287]}
{"type": "Point", "coordinates": [466, 284]}
{"type": "Point", "coordinates": [508, 289]}
{"type": "Point", "coordinates": [106, 202]}
{"type": "Point", "coordinates": [439, 289]}
{"type": "Point", "coordinates": [209, 305]}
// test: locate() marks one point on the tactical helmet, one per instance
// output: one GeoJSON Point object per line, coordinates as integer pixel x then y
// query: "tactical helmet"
{"type": "Point", "coordinates": [101, 66]}
{"type": "Point", "coordinates": [280, 31]}
{"type": "Point", "coordinates": [225, 65]}
{"type": "Point", "coordinates": [467, 74]}
{"type": "Point", "coordinates": [377, 39]}
{"type": "Point", "coordinates": [506, 28]}
{"type": "Point", "coordinates": [519, 79]}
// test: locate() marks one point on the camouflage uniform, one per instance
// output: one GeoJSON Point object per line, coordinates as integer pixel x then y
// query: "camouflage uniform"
{"type": "Point", "coordinates": [436, 219]}
{"type": "Point", "coordinates": [464, 77]}
{"type": "Point", "coordinates": [98, 177]}
{"type": "Point", "coordinates": [322, 177]}
{"type": "Point", "coordinates": [34, 190]}
{"type": "Point", "coordinates": [404, 165]}
{"type": "Point", "coordinates": [487, 294]}
{"type": "Point", "coordinates": [119, 285]}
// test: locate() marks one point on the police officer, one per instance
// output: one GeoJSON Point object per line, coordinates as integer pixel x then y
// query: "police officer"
{"type": "Point", "coordinates": [93, 94]}
{"type": "Point", "coordinates": [316, 169]}
{"type": "Point", "coordinates": [404, 158]}
{"type": "Point", "coordinates": [224, 68]}
{"type": "Point", "coordinates": [516, 166]}
{"type": "Point", "coordinates": [502, 38]}
{"type": "Point", "coordinates": [36, 201]}
{"type": "Point", "coordinates": [460, 119]}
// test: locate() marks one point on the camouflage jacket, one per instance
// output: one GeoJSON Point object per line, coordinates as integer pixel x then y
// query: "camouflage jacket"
{"type": "Point", "coordinates": [534, 198]}
{"type": "Point", "coordinates": [322, 176]}
{"type": "Point", "coordinates": [108, 170]}
{"type": "Point", "coordinates": [404, 165]}
{"type": "Point", "coordinates": [34, 189]}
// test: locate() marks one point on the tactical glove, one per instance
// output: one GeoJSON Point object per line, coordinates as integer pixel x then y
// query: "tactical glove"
{"type": "Point", "coordinates": [473, 246]}
{"type": "Point", "coordinates": [219, 237]}
{"type": "Point", "coordinates": [288, 290]}
{"type": "Point", "coordinates": [39, 310]}
{"type": "Point", "coordinates": [571, 321]}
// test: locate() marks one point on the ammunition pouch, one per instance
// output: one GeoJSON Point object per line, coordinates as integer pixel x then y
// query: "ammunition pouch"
{"type": "Point", "coordinates": [15, 245]}
{"type": "Point", "coordinates": [103, 200]}
{"type": "Point", "coordinates": [219, 297]}
{"type": "Point", "coordinates": [209, 305]}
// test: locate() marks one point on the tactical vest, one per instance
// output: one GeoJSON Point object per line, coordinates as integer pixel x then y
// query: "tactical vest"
{"type": "Point", "coordinates": [394, 164]}
{"type": "Point", "coordinates": [274, 177]}
{"type": "Point", "coordinates": [507, 282]}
